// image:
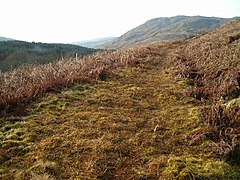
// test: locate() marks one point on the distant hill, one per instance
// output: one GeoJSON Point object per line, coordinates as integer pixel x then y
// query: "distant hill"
{"type": "Point", "coordinates": [94, 42]}
{"type": "Point", "coordinates": [165, 28]}
{"type": "Point", "coordinates": [15, 53]}
{"type": "Point", "coordinates": [168, 110]}
{"type": "Point", "coordinates": [5, 39]}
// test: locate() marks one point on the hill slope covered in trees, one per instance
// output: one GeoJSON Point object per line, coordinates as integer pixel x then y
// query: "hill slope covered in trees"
{"type": "Point", "coordinates": [5, 39]}
{"type": "Point", "coordinates": [16, 53]}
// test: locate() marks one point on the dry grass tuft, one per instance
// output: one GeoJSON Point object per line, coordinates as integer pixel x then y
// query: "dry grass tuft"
{"type": "Point", "coordinates": [28, 82]}
{"type": "Point", "coordinates": [134, 122]}
{"type": "Point", "coordinates": [225, 128]}
{"type": "Point", "coordinates": [127, 127]}
{"type": "Point", "coordinates": [211, 64]}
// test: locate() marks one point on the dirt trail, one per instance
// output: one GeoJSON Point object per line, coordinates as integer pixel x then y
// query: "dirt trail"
{"type": "Point", "coordinates": [131, 126]}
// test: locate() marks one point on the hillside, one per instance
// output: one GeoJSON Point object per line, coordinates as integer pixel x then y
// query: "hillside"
{"type": "Point", "coordinates": [162, 29]}
{"type": "Point", "coordinates": [94, 42]}
{"type": "Point", "coordinates": [16, 53]}
{"type": "Point", "coordinates": [168, 110]}
{"type": "Point", "coordinates": [5, 39]}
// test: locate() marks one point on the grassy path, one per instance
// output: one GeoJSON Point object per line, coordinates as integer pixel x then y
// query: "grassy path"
{"type": "Point", "coordinates": [134, 125]}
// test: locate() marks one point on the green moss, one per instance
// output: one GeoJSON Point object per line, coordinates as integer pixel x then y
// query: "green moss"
{"type": "Point", "coordinates": [199, 168]}
{"type": "Point", "coordinates": [135, 126]}
{"type": "Point", "coordinates": [183, 83]}
{"type": "Point", "coordinates": [233, 102]}
{"type": "Point", "coordinates": [194, 119]}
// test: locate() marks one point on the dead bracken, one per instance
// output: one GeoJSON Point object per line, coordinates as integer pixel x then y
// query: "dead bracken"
{"type": "Point", "coordinates": [161, 111]}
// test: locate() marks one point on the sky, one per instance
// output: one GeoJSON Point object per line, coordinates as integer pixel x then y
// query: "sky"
{"type": "Point", "coordinates": [67, 21]}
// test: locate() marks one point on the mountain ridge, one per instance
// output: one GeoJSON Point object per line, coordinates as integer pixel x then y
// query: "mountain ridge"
{"type": "Point", "coordinates": [168, 110]}
{"type": "Point", "coordinates": [165, 28]}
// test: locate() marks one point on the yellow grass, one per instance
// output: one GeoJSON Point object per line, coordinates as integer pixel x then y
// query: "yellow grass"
{"type": "Point", "coordinates": [117, 115]}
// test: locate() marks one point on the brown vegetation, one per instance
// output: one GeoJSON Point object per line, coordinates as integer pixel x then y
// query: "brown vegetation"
{"type": "Point", "coordinates": [211, 63]}
{"type": "Point", "coordinates": [27, 82]}
{"type": "Point", "coordinates": [134, 122]}
{"type": "Point", "coordinates": [133, 125]}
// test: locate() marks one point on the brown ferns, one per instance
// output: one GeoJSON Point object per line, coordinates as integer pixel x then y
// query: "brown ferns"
{"type": "Point", "coordinates": [29, 81]}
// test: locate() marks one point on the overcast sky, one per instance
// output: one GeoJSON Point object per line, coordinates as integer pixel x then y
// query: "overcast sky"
{"type": "Point", "coordinates": [69, 21]}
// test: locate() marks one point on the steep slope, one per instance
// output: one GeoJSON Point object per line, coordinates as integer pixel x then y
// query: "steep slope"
{"type": "Point", "coordinates": [161, 29]}
{"type": "Point", "coordinates": [138, 122]}
{"type": "Point", "coordinates": [211, 64]}
{"type": "Point", "coordinates": [16, 53]}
